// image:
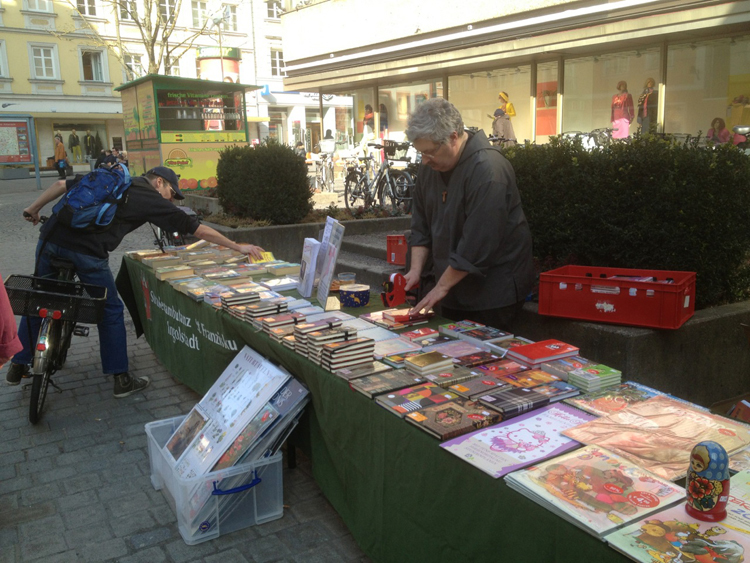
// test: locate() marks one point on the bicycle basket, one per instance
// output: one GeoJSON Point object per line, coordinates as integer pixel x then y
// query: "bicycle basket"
{"type": "Point", "coordinates": [79, 302]}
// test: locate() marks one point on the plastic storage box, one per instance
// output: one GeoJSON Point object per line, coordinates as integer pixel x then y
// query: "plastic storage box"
{"type": "Point", "coordinates": [236, 498]}
{"type": "Point", "coordinates": [397, 250]}
{"type": "Point", "coordinates": [618, 295]}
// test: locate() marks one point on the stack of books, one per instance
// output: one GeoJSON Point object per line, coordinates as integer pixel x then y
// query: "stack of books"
{"type": "Point", "coordinates": [528, 378]}
{"type": "Point", "coordinates": [303, 329]}
{"type": "Point", "coordinates": [564, 366]}
{"type": "Point", "coordinates": [477, 359]}
{"type": "Point", "coordinates": [419, 334]}
{"type": "Point", "coordinates": [397, 360]}
{"type": "Point", "coordinates": [430, 362]}
{"type": "Point", "coordinates": [594, 378]}
{"type": "Point", "coordinates": [515, 401]}
{"type": "Point", "coordinates": [534, 355]}
{"type": "Point", "coordinates": [281, 284]}
{"type": "Point", "coordinates": [265, 308]}
{"type": "Point", "coordinates": [278, 333]}
{"type": "Point", "coordinates": [347, 354]}
{"type": "Point", "coordinates": [278, 321]}
{"type": "Point", "coordinates": [240, 296]}
{"type": "Point", "coordinates": [284, 269]}
{"type": "Point", "coordinates": [454, 329]}
{"type": "Point", "coordinates": [484, 335]}
{"type": "Point", "coordinates": [502, 346]}
{"type": "Point", "coordinates": [395, 346]}
{"type": "Point", "coordinates": [451, 376]}
{"type": "Point", "coordinates": [319, 338]}
{"type": "Point", "coordinates": [402, 317]}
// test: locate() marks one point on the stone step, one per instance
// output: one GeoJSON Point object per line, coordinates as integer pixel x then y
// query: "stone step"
{"type": "Point", "coordinates": [370, 271]}
{"type": "Point", "coordinates": [374, 245]}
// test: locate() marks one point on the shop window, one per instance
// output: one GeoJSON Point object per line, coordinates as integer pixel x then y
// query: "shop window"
{"type": "Point", "coordinates": [277, 63]}
{"type": "Point", "coordinates": [44, 61]}
{"type": "Point", "coordinates": [476, 96]}
{"type": "Point", "coordinates": [87, 7]}
{"type": "Point", "coordinates": [92, 66]}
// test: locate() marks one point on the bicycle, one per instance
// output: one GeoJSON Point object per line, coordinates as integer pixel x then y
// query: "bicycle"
{"type": "Point", "coordinates": [388, 185]}
{"type": "Point", "coordinates": [61, 303]}
{"type": "Point", "coordinates": [323, 171]}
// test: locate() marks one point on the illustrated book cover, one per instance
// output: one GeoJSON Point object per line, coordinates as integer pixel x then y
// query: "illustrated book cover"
{"type": "Point", "coordinates": [514, 444]}
{"type": "Point", "coordinates": [413, 398]}
{"type": "Point", "coordinates": [385, 382]}
{"type": "Point", "coordinates": [595, 489]}
{"type": "Point", "coordinates": [454, 418]}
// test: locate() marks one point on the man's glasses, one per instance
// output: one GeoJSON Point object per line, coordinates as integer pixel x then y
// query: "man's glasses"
{"type": "Point", "coordinates": [432, 153]}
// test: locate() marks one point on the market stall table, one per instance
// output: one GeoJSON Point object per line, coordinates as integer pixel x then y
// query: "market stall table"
{"type": "Point", "coordinates": [402, 496]}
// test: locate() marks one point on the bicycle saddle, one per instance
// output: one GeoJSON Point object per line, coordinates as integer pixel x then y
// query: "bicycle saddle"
{"type": "Point", "coordinates": [741, 129]}
{"type": "Point", "coordinates": [61, 264]}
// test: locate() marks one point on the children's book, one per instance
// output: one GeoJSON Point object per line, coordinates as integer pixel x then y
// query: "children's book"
{"type": "Point", "coordinates": [527, 439]}
{"type": "Point", "coordinates": [595, 489]}
{"type": "Point", "coordinates": [659, 434]}
{"type": "Point", "coordinates": [413, 398]}
{"type": "Point", "coordinates": [671, 535]}
{"type": "Point", "coordinates": [454, 418]}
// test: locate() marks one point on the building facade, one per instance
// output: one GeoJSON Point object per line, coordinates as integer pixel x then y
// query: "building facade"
{"type": "Point", "coordinates": [558, 61]}
{"type": "Point", "coordinates": [61, 62]}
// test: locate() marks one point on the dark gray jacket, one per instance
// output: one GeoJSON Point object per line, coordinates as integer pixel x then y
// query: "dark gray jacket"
{"type": "Point", "coordinates": [479, 228]}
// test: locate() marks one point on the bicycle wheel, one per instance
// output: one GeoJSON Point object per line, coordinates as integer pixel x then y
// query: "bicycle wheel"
{"type": "Point", "coordinates": [354, 190]}
{"type": "Point", "coordinates": [402, 185]}
{"type": "Point", "coordinates": [43, 367]}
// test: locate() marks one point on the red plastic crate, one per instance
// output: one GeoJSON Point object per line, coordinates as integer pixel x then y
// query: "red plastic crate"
{"type": "Point", "coordinates": [590, 294]}
{"type": "Point", "coordinates": [397, 250]}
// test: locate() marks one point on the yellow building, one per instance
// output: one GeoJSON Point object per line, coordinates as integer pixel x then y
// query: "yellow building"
{"type": "Point", "coordinates": [559, 61]}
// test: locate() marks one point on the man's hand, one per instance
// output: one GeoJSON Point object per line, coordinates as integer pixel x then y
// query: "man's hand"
{"type": "Point", "coordinates": [430, 300]}
{"type": "Point", "coordinates": [251, 249]}
{"type": "Point", "coordinates": [31, 216]}
{"type": "Point", "coordinates": [412, 279]}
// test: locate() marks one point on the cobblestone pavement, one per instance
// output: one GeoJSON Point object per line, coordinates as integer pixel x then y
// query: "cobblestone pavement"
{"type": "Point", "coordinates": [76, 486]}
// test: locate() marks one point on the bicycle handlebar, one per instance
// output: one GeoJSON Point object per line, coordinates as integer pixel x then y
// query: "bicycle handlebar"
{"type": "Point", "coordinates": [42, 218]}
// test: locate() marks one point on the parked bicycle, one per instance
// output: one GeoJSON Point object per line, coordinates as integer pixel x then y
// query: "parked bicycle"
{"type": "Point", "coordinates": [389, 186]}
{"type": "Point", "coordinates": [323, 171]}
{"type": "Point", "coordinates": [61, 303]}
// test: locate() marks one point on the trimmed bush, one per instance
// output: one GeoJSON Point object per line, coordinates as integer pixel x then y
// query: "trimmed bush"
{"type": "Point", "coordinates": [649, 204]}
{"type": "Point", "coordinates": [265, 183]}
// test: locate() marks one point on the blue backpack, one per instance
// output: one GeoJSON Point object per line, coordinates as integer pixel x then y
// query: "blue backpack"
{"type": "Point", "coordinates": [91, 204]}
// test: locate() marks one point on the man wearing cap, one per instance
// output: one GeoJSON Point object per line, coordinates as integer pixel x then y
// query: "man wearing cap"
{"type": "Point", "coordinates": [147, 200]}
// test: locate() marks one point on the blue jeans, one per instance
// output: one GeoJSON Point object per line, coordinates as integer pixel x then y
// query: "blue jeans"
{"type": "Point", "coordinates": [113, 348]}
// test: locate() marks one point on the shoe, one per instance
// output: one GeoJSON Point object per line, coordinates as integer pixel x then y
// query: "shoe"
{"type": "Point", "coordinates": [16, 372]}
{"type": "Point", "coordinates": [125, 384]}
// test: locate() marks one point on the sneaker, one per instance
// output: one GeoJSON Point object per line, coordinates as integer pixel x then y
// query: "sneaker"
{"type": "Point", "coordinates": [16, 372]}
{"type": "Point", "coordinates": [125, 384]}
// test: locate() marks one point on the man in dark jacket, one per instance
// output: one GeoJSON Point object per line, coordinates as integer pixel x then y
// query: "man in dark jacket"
{"type": "Point", "coordinates": [148, 199]}
{"type": "Point", "coordinates": [467, 216]}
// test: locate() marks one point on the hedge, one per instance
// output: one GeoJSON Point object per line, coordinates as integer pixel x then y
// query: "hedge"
{"type": "Point", "coordinates": [648, 204]}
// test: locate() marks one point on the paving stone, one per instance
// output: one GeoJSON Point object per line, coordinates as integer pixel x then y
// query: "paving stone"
{"type": "Point", "coordinates": [325, 553]}
{"type": "Point", "coordinates": [129, 524]}
{"type": "Point", "coordinates": [102, 551]}
{"type": "Point", "coordinates": [265, 549]}
{"type": "Point", "coordinates": [45, 450]}
{"type": "Point", "coordinates": [287, 521]}
{"type": "Point", "coordinates": [25, 514]}
{"type": "Point", "coordinates": [55, 474]}
{"type": "Point", "coordinates": [42, 546]}
{"type": "Point", "coordinates": [311, 509]}
{"type": "Point", "coordinates": [71, 502]}
{"type": "Point", "coordinates": [180, 552]}
{"type": "Point", "coordinates": [88, 534]}
{"type": "Point", "coordinates": [226, 556]}
{"type": "Point", "coordinates": [151, 555]}
{"type": "Point", "coordinates": [8, 538]}
{"type": "Point", "coordinates": [40, 493]}
{"type": "Point", "coordinates": [304, 537]}
{"type": "Point", "coordinates": [151, 537]}
{"type": "Point", "coordinates": [85, 516]}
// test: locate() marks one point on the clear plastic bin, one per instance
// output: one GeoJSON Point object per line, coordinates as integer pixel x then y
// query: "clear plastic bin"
{"type": "Point", "coordinates": [220, 502]}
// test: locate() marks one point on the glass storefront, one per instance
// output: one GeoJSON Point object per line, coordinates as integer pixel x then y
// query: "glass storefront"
{"type": "Point", "coordinates": [705, 81]}
{"type": "Point", "coordinates": [477, 96]}
{"type": "Point", "coordinates": [397, 102]}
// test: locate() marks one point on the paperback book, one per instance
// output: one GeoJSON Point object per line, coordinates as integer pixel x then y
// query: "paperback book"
{"type": "Point", "coordinates": [515, 401]}
{"type": "Point", "coordinates": [412, 398]}
{"type": "Point", "coordinates": [385, 382]}
{"type": "Point", "coordinates": [456, 348]}
{"type": "Point", "coordinates": [454, 329]}
{"type": "Point", "coordinates": [614, 399]}
{"type": "Point", "coordinates": [429, 362]}
{"type": "Point", "coordinates": [484, 335]}
{"type": "Point", "coordinates": [371, 368]}
{"type": "Point", "coordinates": [595, 489]}
{"type": "Point", "coordinates": [476, 359]}
{"type": "Point", "coordinates": [537, 353]}
{"type": "Point", "coordinates": [397, 360]}
{"type": "Point", "coordinates": [527, 439]}
{"type": "Point", "coordinates": [529, 378]}
{"type": "Point", "coordinates": [452, 376]}
{"type": "Point", "coordinates": [454, 418]}
{"type": "Point", "coordinates": [395, 346]}
{"type": "Point", "coordinates": [564, 366]}
{"type": "Point", "coordinates": [308, 262]}
{"type": "Point", "coordinates": [502, 346]}
{"type": "Point", "coordinates": [477, 386]}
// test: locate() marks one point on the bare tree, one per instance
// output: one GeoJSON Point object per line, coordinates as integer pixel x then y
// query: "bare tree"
{"type": "Point", "coordinates": [156, 21]}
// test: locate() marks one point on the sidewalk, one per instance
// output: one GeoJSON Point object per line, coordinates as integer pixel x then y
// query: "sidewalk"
{"type": "Point", "coordinates": [76, 486]}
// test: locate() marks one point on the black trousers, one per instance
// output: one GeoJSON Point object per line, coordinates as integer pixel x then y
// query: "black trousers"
{"type": "Point", "coordinates": [502, 317]}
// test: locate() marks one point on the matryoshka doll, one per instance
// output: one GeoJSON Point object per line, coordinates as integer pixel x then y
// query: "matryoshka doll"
{"type": "Point", "coordinates": [707, 484]}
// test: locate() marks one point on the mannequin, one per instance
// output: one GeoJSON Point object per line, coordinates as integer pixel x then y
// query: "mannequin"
{"type": "Point", "coordinates": [622, 111]}
{"type": "Point", "coordinates": [506, 105]}
{"type": "Point", "coordinates": [647, 107]}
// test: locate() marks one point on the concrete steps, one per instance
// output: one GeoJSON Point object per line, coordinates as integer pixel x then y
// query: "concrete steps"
{"type": "Point", "coordinates": [365, 255]}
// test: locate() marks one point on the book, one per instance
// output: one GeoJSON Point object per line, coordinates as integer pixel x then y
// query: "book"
{"type": "Point", "coordinates": [265, 257]}
{"type": "Point", "coordinates": [483, 335]}
{"type": "Point", "coordinates": [371, 368]}
{"type": "Point", "coordinates": [476, 386]}
{"type": "Point", "coordinates": [658, 434]}
{"type": "Point", "coordinates": [167, 272]}
{"type": "Point", "coordinates": [502, 346]}
{"type": "Point", "coordinates": [310, 249]}
{"type": "Point", "coordinates": [412, 398]}
{"type": "Point", "coordinates": [557, 390]}
{"type": "Point", "coordinates": [456, 348]}
{"type": "Point", "coordinates": [429, 362]}
{"type": "Point", "coordinates": [454, 329]}
{"type": "Point", "coordinates": [333, 235]}
{"type": "Point", "coordinates": [529, 378]}
{"type": "Point", "coordinates": [595, 489]}
{"type": "Point", "coordinates": [284, 269]}
{"type": "Point", "coordinates": [503, 367]}
{"type": "Point", "coordinates": [613, 399]}
{"type": "Point", "coordinates": [432, 342]}
{"type": "Point", "coordinates": [454, 418]}
{"type": "Point", "coordinates": [378, 333]}
{"type": "Point", "coordinates": [476, 359]}
{"type": "Point", "coordinates": [456, 374]}
{"type": "Point", "coordinates": [564, 366]}
{"type": "Point", "coordinates": [284, 283]}
{"type": "Point", "coordinates": [515, 401]}
{"type": "Point", "coordinates": [385, 382]}
{"type": "Point", "coordinates": [595, 377]}
{"type": "Point", "coordinates": [419, 334]}
{"type": "Point", "coordinates": [397, 360]}
{"type": "Point", "coordinates": [670, 534]}
{"type": "Point", "coordinates": [394, 346]}
{"type": "Point", "coordinates": [404, 316]}
{"type": "Point", "coordinates": [527, 439]}
{"type": "Point", "coordinates": [537, 353]}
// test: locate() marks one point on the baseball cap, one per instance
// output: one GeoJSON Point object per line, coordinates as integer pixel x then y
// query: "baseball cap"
{"type": "Point", "coordinates": [169, 175]}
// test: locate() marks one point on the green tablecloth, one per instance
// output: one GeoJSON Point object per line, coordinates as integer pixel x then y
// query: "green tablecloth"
{"type": "Point", "coordinates": [402, 496]}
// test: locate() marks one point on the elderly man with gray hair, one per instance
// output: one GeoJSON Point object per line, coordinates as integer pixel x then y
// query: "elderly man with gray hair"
{"type": "Point", "coordinates": [467, 216]}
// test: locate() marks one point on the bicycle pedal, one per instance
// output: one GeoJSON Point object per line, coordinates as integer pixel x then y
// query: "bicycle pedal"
{"type": "Point", "coordinates": [81, 331]}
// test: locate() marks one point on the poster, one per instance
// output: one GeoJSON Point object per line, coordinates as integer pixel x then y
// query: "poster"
{"type": "Point", "coordinates": [15, 145]}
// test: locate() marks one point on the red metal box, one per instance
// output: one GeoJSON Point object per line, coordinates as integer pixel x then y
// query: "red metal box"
{"type": "Point", "coordinates": [618, 295]}
{"type": "Point", "coordinates": [397, 250]}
